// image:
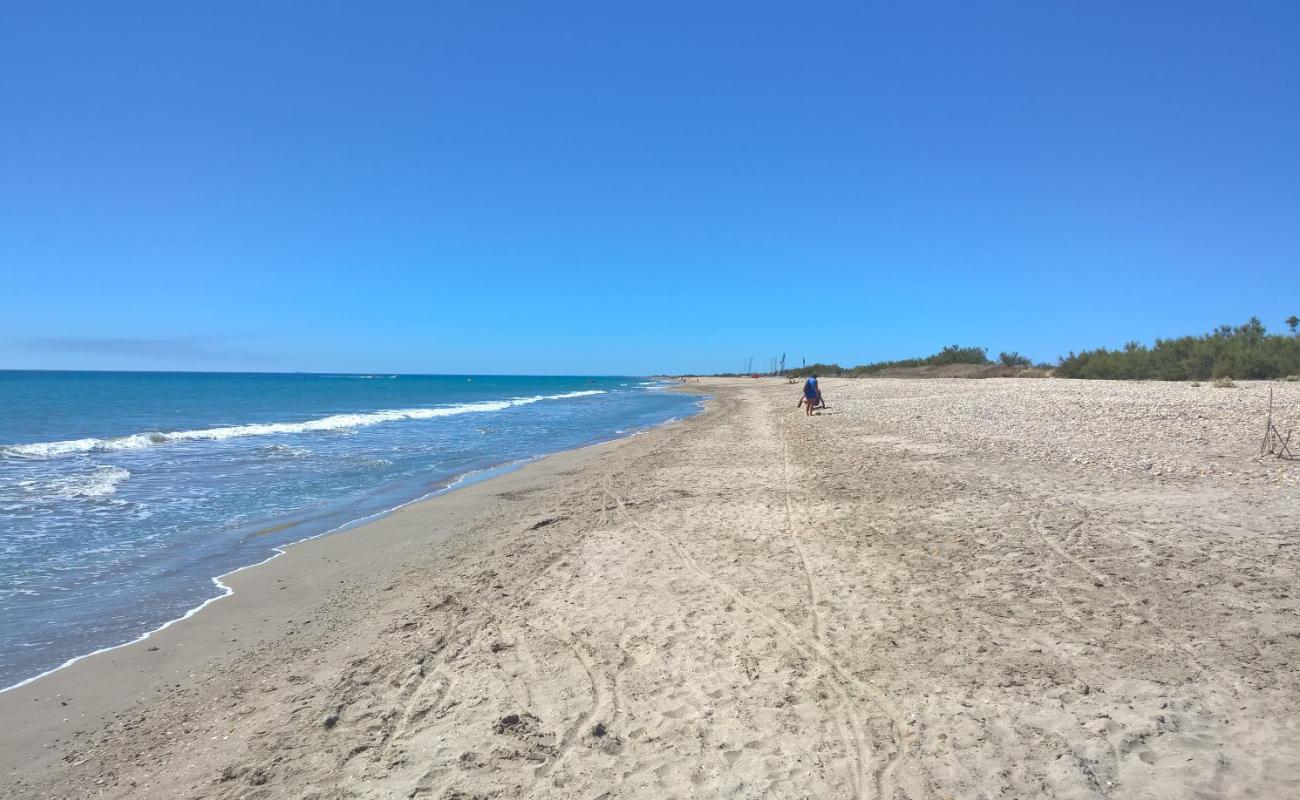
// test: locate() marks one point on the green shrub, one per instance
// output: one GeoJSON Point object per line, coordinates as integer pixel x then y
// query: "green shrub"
{"type": "Point", "coordinates": [816, 369]}
{"type": "Point", "coordinates": [949, 355]}
{"type": "Point", "coordinates": [954, 354]}
{"type": "Point", "coordinates": [1246, 351]}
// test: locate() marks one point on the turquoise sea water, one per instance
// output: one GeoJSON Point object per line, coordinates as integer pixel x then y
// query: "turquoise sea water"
{"type": "Point", "coordinates": [123, 495]}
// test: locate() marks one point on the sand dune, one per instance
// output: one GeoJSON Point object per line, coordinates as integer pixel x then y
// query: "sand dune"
{"type": "Point", "coordinates": [937, 589]}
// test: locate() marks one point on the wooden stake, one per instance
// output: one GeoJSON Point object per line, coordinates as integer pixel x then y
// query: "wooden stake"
{"type": "Point", "coordinates": [1265, 446]}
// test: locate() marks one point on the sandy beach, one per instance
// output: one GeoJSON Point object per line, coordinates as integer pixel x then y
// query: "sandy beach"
{"type": "Point", "coordinates": [934, 589]}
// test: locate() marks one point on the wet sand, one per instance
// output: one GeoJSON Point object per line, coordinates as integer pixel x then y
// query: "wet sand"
{"type": "Point", "coordinates": [935, 589]}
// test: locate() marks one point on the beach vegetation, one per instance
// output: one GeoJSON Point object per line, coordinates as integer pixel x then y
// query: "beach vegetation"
{"type": "Point", "coordinates": [1246, 351]}
{"type": "Point", "coordinates": [953, 354]}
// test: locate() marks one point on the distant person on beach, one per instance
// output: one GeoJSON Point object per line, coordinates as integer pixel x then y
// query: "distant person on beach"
{"type": "Point", "coordinates": [812, 395]}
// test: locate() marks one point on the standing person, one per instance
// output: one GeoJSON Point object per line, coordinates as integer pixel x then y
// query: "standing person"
{"type": "Point", "coordinates": [810, 394]}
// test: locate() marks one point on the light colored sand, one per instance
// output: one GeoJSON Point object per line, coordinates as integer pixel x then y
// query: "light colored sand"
{"type": "Point", "coordinates": [938, 589]}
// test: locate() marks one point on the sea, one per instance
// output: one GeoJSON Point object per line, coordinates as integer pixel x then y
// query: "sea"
{"type": "Point", "coordinates": [124, 496]}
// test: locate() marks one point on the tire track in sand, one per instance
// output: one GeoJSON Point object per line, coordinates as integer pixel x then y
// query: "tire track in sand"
{"type": "Point", "coordinates": [598, 696]}
{"type": "Point", "coordinates": [1102, 580]}
{"type": "Point", "coordinates": [810, 648]}
{"type": "Point", "coordinates": [884, 776]}
{"type": "Point", "coordinates": [797, 538]}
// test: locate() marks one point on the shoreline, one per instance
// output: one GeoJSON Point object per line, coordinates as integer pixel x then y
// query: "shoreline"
{"type": "Point", "coordinates": [928, 590]}
{"type": "Point", "coordinates": [282, 549]}
{"type": "Point", "coordinates": [126, 669]}
{"type": "Point", "coordinates": [455, 483]}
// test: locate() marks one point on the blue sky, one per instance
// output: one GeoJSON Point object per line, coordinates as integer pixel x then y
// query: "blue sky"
{"type": "Point", "coordinates": [637, 187]}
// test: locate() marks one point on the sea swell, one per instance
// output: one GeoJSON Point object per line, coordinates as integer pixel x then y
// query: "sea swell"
{"type": "Point", "coordinates": [334, 422]}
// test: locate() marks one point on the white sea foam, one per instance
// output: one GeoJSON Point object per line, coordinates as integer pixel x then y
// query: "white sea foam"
{"type": "Point", "coordinates": [98, 483]}
{"type": "Point", "coordinates": [226, 590]}
{"type": "Point", "coordinates": [283, 451]}
{"type": "Point", "coordinates": [331, 423]}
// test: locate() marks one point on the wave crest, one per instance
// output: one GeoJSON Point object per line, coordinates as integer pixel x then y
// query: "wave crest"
{"type": "Point", "coordinates": [334, 422]}
{"type": "Point", "coordinates": [96, 484]}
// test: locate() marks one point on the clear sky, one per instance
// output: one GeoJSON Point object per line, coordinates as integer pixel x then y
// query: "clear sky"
{"type": "Point", "coordinates": [619, 187]}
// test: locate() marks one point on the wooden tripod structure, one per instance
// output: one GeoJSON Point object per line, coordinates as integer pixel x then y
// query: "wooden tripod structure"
{"type": "Point", "coordinates": [1275, 444]}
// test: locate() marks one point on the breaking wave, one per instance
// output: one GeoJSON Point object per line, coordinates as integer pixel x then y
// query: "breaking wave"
{"type": "Point", "coordinates": [98, 483]}
{"type": "Point", "coordinates": [334, 422]}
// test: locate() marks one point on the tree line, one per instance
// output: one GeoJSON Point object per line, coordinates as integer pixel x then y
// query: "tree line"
{"type": "Point", "coordinates": [1246, 351]}
{"type": "Point", "coordinates": [953, 354]}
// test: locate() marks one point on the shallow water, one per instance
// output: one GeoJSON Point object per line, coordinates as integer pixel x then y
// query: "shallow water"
{"type": "Point", "coordinates": [122, 495]}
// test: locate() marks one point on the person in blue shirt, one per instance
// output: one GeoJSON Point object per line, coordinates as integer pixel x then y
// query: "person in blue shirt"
{"type": "Point", "coordinates": [812, 395]}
